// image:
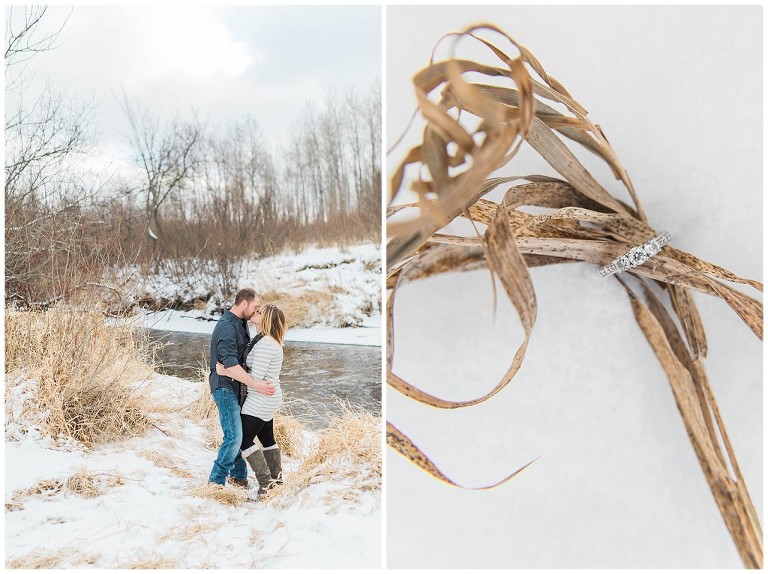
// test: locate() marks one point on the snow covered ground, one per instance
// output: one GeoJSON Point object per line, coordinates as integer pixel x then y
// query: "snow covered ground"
{"type": "Point", "coordinates": [147, 515]}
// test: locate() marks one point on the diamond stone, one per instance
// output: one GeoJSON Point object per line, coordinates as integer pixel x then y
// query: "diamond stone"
{"type": "Point", "coordinates": [623, 262]}
{"type": "Point", "coordinates": [637, 255]}
{"type": "Point", "coordinates": [651, 247]}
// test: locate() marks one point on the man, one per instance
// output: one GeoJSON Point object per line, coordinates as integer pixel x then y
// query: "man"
{"type": "Point", "coordinates": [227, 345]}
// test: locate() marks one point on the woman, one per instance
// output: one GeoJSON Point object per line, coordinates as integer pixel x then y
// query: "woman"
{"type": "Point", "coordinates": [258, 411]}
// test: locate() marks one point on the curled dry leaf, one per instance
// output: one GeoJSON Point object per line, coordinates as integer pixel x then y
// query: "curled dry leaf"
{"type": "Point", "coordinates": [404, 446]}
{"type": "Point", "coordinates": [584, 223]}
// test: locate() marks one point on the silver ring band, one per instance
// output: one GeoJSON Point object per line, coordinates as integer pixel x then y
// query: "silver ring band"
{"type": "Point", "coordinates": [636, 256]}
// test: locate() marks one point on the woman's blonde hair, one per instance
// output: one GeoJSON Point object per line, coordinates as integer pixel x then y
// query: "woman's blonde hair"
{"type": "Point", "coordinates": [272, 322]}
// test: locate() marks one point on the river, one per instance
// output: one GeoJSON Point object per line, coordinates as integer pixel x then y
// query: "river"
{"type": "Point", "coordinates": [314, 377]}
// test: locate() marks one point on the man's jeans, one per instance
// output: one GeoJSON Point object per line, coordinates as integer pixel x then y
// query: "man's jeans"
{"type": "Point", "coordinates": [229, 462]}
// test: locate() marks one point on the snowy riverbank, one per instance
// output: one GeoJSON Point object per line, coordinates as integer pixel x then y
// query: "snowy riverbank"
{"type": "Point", "coordinates": [317, 287]}
{"type": "Point", "coordinates": [368, 333]}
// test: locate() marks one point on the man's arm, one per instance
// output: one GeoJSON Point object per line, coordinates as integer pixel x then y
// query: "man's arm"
{"type": "Point", "coordinates": [241, 375]}
{"type": "Point", "coordinates": [226, 347]}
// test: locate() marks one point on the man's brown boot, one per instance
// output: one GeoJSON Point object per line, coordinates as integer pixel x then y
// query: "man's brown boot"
{"type": "Point", "coordinates": [241, 482]}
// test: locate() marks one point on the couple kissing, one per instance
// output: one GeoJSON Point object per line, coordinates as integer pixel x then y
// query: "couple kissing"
{"type": "Point", "coordinates": [245, 383]}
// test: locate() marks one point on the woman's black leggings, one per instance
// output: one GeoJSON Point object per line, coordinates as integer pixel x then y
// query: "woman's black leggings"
{"type": "Point", "coordinates": [255, 427]}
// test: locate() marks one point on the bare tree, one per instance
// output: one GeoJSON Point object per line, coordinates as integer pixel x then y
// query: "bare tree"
{"type": "Point", "coordinates": [39, 135]}
{"type": "Point", "coordinates": [24, 39]}
{"type": "Point", "coordinates": [168, 155]}
{"type": "Point", "coordinates": [48, 236]}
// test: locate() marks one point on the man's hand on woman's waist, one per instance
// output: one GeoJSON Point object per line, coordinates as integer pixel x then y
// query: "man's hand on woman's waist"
{"type": "Point", "coordinates": [239, 374]}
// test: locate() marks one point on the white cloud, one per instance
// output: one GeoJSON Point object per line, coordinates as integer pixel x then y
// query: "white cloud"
{"type": "Point", "coordinates": [222, 61]}
{"type": "Point", "coordinates": [189, 43]}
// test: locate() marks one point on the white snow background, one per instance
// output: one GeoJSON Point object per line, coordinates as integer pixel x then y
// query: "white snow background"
{"type": "Point", "coordinates": [677, 90]}
{"type": "Point", "coordinates": [151, 516]}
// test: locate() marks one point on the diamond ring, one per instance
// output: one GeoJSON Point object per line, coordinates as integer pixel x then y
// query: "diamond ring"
{"type": "Point", "coordinates": [636, 256]}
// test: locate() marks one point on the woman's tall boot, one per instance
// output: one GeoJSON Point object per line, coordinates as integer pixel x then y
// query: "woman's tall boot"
{"type": "Point", "coordinates": [254, 456]}
{"type": "Point", "coordinates": [272, 456]}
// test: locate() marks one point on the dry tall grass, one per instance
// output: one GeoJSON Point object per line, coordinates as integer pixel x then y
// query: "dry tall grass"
{"type": "Point", "coordinates": [309, 303]}
{"type": "Point", "coordinates": [351, 440]}
{"type": "Point", "coordinates": [290, 434]}
{"type": "Point", "coordinates": [86, 372]}
{"type": "Point", "coordinates": [347, 454]}
{"type": "Point", "coordinates": [156, 562]}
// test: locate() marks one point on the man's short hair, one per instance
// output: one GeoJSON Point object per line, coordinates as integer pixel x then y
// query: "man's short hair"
{"type": "Point", "coordinates": [246, 294]}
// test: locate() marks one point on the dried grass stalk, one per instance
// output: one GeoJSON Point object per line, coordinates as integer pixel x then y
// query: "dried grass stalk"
{"type": "Point", "coordinates": [156, 563]}
{"type": "Point", "coordinates": [474, 127]}
{"type": "Point", "coordinates": [404, 446]}
{"type": "Point", "coordinates": [167, 461]}
{"type": "Point", "coordinates": [188, 532]}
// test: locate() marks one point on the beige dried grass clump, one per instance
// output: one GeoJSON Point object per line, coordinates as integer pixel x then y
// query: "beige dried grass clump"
{"type": "Point", "coordinates": [84, 484]}
{"type": "Point", "coordinates": [232, 496]}
{"type": "Point", "coordinates": [37, 560]}
{"type": "Point", "coordinates": [203, 409]}
{"type": "Point", "coordinates": [86, 372]}
{"type": "Point", "coordinates": [351, 440]}
{"type": "Point", "coordinates": [307, 303]}
{"type": "Point", "coordinates": [13, 506]}
{"type": "Point", "coordinates": [477, 115]}
{"type": "Point", "coordinates": [47, 487]}
{"type": "Point", "coordinates": [45, 559]}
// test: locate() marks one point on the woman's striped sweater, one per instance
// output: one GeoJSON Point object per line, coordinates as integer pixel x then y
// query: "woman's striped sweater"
{"type": "Point", "coordinates": [265, 361]}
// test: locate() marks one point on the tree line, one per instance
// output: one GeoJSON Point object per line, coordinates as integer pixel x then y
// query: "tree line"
{"type": "Point", "coordinates": [200, 194]}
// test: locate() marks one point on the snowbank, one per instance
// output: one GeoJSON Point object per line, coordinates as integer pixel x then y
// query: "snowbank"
{"type": "Point", "coordinates": [369, 333]}
{"type": "Point", "coordinates": [330, 287]}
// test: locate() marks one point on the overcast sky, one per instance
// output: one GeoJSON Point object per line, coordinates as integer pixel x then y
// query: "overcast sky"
{"type": "Point", "coordinates": [223, 61]}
